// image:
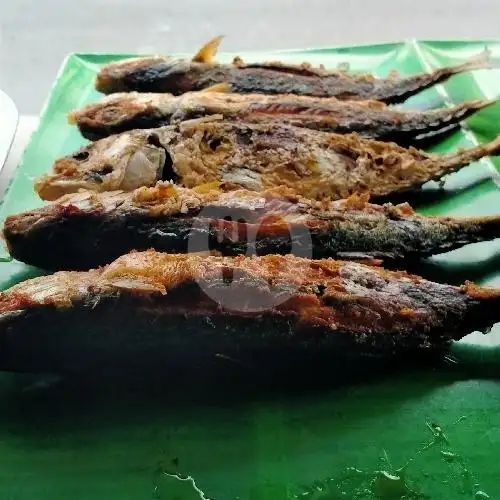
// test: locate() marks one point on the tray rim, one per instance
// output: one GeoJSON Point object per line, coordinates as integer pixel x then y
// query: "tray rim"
{"type": "Point", "coordinates": [11, 130]}
{"type": "Point", "coordinates": [299, 50]}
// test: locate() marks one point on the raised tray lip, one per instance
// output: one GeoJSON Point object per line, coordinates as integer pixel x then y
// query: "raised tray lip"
{"type": "Point", "coordinates": [299, 50]}
{"type": "Point", "coordinates": [9, 118]}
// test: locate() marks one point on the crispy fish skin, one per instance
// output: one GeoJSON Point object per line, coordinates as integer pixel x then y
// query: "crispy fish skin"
{"type": "Point", "coordinates": [190, 309]}
{"type": "Point", "coordinates": [177, 76]}
{"type": "Point", "coordinates": [85, 230]}
{"type": "Point", "coordinates": [256, 157]}
{"type": "Point", "coordinates": [127, 111]}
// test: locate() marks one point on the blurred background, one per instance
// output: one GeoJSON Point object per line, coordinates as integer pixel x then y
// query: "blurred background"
{"type": "Point", "coordinates": [36, 35]}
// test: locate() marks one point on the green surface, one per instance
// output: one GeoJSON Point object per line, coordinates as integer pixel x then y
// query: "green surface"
{"type": "Point", "coordinates": [64, 440]}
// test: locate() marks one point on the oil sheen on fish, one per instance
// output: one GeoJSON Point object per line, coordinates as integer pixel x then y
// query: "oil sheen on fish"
{"type": "Point", "coordinates": [85, 230]}
{"type": "Point", "coordinates": [185, 310]}
{"type": "Point", "coordinates": [176, 76]}
{"type": "Point", "coordinates": [127, 111]}
{"type": "Point", "coordinates": [252, 156]}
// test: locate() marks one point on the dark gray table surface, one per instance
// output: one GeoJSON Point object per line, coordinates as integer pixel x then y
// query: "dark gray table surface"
{"type": "Point", "coordinates": [35, 35]}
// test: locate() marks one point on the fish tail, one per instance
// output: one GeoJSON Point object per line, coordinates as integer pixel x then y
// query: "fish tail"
{"type": "Point", "coordinates": [480, 61]}
{"type": "Point", "coordinates": [453, 161]}
{"type": "Point", "coordinates": [436, 119]}
{"type": "Point", "coordinates": [484, 306]}
{"type": "Point", "coordinates": [463, 110]}
{"type": "Point", "coordinates": [414, 84]}
{"type": "Point", "coordinates": [483, 228]}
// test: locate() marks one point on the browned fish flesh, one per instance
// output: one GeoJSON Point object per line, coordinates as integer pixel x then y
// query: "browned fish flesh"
{"type": "Point", "coordinates": [177, 76]}
{"type": "Point", "coordinates": [252, 156]}
{"type": "Point", "coordinates": [186, 310]}
{"type": "Point", "coordinates": [127, 111]}
{"type": "Point", "coordinates": [85, 230]}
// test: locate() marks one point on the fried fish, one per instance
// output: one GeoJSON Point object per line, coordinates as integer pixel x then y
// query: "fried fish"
{"type": "Point", "coordinates": [176, 76]}
{"type": "Point", "coordinates": [252, 156]}
{"type": "Point", "coordinates": [127, 111]}
{"type": "Point", "coordinates": [85, 230]}
{"type": "Point", "coordinates": [149, 309]}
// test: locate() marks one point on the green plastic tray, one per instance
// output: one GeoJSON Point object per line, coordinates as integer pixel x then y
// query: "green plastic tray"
{"type": "Point", "coordinates": [94, 441]}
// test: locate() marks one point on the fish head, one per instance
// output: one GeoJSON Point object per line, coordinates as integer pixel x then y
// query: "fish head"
{"type": "Point", "coordinates": [157, 73]}
{"type": "Point", "coordinates": [122, 111]}
{"type": "Point", "coordinates": [151, 74]}
{"type": "Point", "coordinates": [126, 162]}
{"type": "Point", "coordinates": [121, 76]}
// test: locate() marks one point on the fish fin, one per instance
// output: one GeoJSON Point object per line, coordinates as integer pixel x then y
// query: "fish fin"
{"type": "Point", "coordinates": [482, 60]}
{"type": "Point", "coordinates": [362, 258]}
{"type": "Point", "coordinates": [357, 201]}
{"type": "Point", "coordinates": [194, 122]}
{"type": "Point", "coordinates": [207, 52]}
{"type": "Point", "coordinates": [222, 87]}
{"type": "Point", "coordinates": [207, 187]}
{"type": "Point", "coordinates": [304, 69]}
{"type": "Point", "coordinates": [207, 253]}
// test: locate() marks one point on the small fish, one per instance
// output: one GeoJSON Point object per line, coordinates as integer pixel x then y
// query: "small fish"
{"type": "Point", "coordinates": [176, 76]}
{"type": "Point", "coordinates": [127, 111]}
{"type": "Point", "coordinates": [85, 230]}
{"type": "Point", "coordinates": [150, 309]}
{"type": "Point", "coordinates": [252, 156]}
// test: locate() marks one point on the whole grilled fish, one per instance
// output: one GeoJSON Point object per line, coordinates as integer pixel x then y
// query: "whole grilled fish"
{"type": "Point", "coordinates": [126, 111]}
{"type": "Point", "coordinates": [85, 230]}
{"type": "Point", "coordinates": [256, 157]}
{"type": "Point", "coordinates": [187, 310]}
{"type": "Point", "coordinates": [176, 76]}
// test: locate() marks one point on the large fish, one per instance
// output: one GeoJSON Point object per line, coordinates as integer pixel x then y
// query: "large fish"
{"type": "Point", "coordinates": [256, 157]}
{"type": "Point", "coordinates": [176, 76]}
{"type": "Point", "coordinates": [127, 111]}
{"type": "Point", "coordinates": [85, 230]}
{"type": "Point", "coordinates": [186, 310]}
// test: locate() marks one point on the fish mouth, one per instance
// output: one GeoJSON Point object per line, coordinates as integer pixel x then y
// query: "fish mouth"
{"type": "Point", "coordinates": [126, 163]}
{"type": "Point", "coordinates": [104, 83]}
{"type": "Point", "coordinates": [52, 187]}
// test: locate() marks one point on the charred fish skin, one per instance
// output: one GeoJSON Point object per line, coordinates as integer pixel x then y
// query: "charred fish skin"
{"type": "Point", "coordinates": [182, 309]}
{"type": "Point", "coordinates": [177, 76]}
{"type": "Point", "coordinates": [127, 111]}
{"type": "Point", "coordinates": [86, 230]}
{"type": "Point", "coordinates": [256, 157]}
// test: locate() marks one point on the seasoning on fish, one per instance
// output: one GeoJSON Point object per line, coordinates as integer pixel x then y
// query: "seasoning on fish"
{"type": "Point", "coordinates": [85, 230]}
{"type": "Point", "coordinates": [252, 156]}
{"type": "Point", "coordinates": [127, 111]}
{"type": "Point", "coordinates": [186, 310]}
{"type": "Point", "coordinates": [176, 76]}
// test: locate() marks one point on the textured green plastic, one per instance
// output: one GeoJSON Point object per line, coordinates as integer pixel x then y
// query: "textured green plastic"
{"type": "Point", "coordinates": [57, 442]}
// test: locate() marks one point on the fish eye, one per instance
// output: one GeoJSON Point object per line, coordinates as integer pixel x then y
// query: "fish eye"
{"type": "Point", "coordinates": [107, 169]}
{"type": "Point", "coordinates": [154, 140]}
{"type": "Point", "coordinates": [215, 143]}
{"type": "Point", "coordinates": [81, 155]}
